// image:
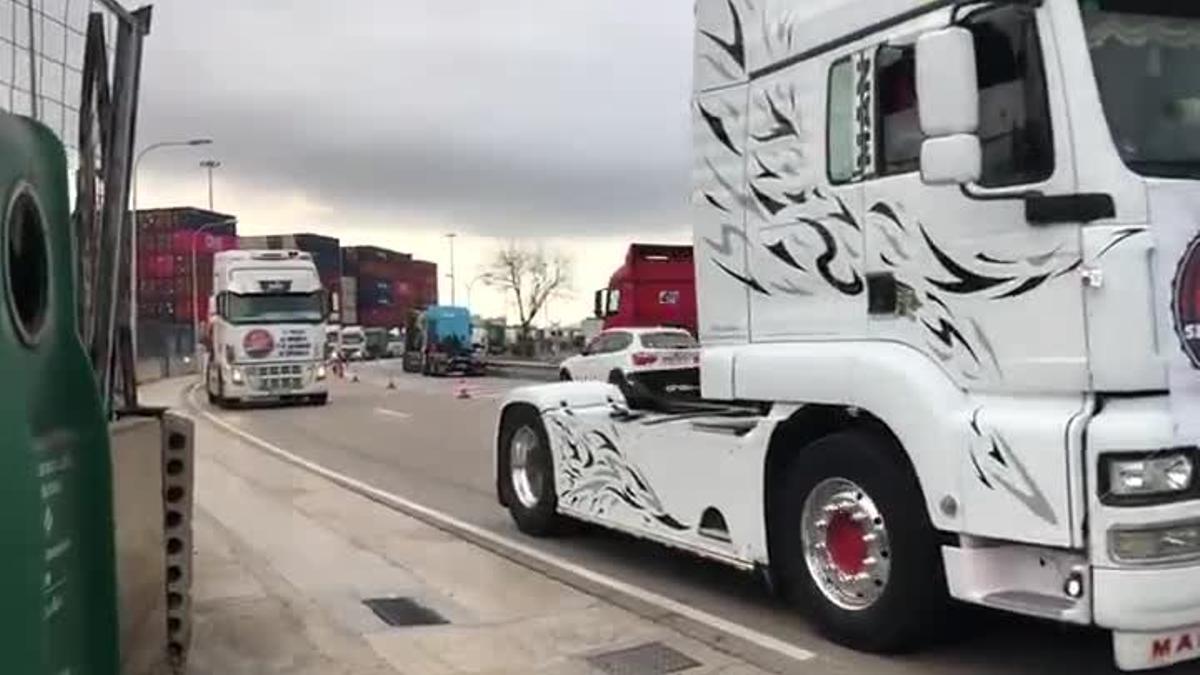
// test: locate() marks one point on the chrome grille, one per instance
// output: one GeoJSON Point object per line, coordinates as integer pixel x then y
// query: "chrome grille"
{"type": "Point", "coordinates": [276, 377]}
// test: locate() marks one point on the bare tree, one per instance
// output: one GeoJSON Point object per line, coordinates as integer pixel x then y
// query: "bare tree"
{"type": "Point", "coordinates": [532, 276]}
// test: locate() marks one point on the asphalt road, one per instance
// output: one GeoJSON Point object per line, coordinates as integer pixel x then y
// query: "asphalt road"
{"type": "Point", "coordinates": [420, 441]}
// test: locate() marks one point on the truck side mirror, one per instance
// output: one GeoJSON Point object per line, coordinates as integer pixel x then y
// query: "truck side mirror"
{"type": "Point", "coordinates": [600, 304]}
{"type": "Point", "coordinates": [948, 105]}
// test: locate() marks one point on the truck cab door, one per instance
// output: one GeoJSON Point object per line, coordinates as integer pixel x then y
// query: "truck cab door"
{"type": "Point", "coordinates": [960, 274]}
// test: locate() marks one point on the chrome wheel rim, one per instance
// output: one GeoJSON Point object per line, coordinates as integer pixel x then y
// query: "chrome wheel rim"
{"type": "Point", "coordinates": [846, 544]}
{"type": "Point", "coordinates": [528, 477]}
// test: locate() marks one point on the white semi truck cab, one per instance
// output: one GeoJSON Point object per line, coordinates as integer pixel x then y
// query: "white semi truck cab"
{"type": "Point", "coordinates": [266, 331]}
{"type": "Point", "coordinates": [948, 267]}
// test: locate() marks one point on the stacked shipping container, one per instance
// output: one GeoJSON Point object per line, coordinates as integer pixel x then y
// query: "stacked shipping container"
{"type": "Point", "coordinates": [383, 286]}
{"type": "Point", "coordinates": [166, 240]}
{"type": "Point", "coordinates": [326, 253]}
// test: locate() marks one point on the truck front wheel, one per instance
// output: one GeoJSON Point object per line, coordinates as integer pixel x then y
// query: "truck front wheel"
{"type": "Point", "coordinates": [216, 398]}
{"type": "Point", "coordinates": [852, 543]}
{"type": "Point", "coordinates": [527, 473]}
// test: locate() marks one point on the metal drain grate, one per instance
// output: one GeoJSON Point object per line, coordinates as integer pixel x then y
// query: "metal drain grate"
{"type": "Point", "coordinates": [651, 658]}
{"type": "Point", "coordinates": [404, 612]}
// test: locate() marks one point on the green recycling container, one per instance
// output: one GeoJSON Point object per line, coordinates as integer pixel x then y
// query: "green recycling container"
{"type": "Point", "coordinates": [58, 611]}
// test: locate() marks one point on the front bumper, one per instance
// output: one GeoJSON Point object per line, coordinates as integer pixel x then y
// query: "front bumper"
{"type": "Point", "coordinates": [274, 381]}
{"type": "Point", "coordinates": [1152, 609]}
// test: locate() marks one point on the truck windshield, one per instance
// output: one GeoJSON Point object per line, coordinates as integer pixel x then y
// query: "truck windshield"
{"type": "Point", "coordinates": [275, 308]}
{"type": "Point", "coordinates": [1147, 60]}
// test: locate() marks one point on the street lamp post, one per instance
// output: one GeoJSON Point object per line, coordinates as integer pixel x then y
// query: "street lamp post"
{"type": "Point", "coordinates": [133, 235]}
{"type": "Point", "coordinates": [195, 288]}
{"type": "Point", "coordinates": [453, 295]}
{"type": "Point", "coordinates": [210, 164]}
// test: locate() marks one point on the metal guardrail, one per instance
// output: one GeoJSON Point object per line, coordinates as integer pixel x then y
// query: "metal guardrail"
{"type": "Point", "coordinates": [527, 370]}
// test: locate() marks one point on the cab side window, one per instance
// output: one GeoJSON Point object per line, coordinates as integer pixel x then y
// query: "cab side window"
{"type": "Point", "coordinates": [1014, 107]}
{"type": "Point", "coordinates": [900, 134]}
{"type": "Point", "coordinates": [842, 125]}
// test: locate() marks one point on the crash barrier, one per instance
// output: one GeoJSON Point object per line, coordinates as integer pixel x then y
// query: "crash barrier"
{"type": "Point", "coordinates": [525, 370]}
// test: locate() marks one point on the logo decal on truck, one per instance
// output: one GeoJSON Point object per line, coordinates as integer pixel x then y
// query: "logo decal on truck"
{"type": "Point", "coordinates": [1186, 305]}
{"type": "Point", "coordinates": [258, 344]}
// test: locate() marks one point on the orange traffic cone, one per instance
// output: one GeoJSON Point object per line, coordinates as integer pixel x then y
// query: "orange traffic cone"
{"type": "Point", "coordinates": [463, 392]}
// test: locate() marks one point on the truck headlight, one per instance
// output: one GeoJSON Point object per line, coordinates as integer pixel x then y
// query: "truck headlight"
{"type": "Point", "coordinates": [1152, 477]}
{"type": "Point", "coordinates": [1160, 543]}
{"type": "Point", "coordinates": [236, 376]}
{"type": "Point", "coordinates": [320, 371]}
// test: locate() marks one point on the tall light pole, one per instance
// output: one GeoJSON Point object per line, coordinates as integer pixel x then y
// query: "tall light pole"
{"type": "Point", "coordinates": [453, 294]}
{"type": "Point", "coordinates": [133, 235]}
{"type": "Point", "coordinates": [195, 289]}
{"type": "Point", "coordinates": [210, 164]}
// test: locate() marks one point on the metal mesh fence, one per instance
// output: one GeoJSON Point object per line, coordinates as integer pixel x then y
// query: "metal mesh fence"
{"type": "Point", "coordinates": [73, 65]}
{"type": "Point", "coordinates": [42, 47]}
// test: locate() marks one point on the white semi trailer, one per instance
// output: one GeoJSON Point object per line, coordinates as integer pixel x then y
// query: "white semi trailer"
{"type": "Point", "coordinates": [266, 334]}
{"type": "Point", "coordinates": [948, 269]}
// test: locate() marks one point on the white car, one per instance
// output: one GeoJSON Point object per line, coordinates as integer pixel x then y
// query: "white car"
{"type": "Point", "coordinates": [628, 351]}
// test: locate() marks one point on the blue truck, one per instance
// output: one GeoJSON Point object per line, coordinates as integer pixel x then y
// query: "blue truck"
{"type": "Point", "coordinates": [438, 342]}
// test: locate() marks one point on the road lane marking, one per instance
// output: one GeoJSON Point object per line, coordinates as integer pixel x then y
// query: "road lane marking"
{"type": "Point", "coordinates": [393, 413]}
{"type": "Point", "coordinates": [451, 523]}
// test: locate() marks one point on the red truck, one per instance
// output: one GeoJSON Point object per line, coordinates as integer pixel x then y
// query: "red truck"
{"type": "Point", "coordinates": [655, 287]}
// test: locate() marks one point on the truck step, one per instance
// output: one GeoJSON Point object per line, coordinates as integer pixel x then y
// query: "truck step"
{"type": "Point", "coordinates": [1035, 604]}
{"type": "Point", "coordinates": [732, 427]}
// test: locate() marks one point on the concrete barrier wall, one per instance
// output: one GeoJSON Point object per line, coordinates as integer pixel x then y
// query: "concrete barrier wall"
{"type": "Point", "coordinates": [141, 552]}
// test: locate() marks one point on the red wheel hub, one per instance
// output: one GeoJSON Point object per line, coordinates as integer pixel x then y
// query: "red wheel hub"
{"type": "Point", "coordinates": [845, 544]}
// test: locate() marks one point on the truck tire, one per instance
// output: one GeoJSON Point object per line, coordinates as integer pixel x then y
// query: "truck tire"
{"type": "Point", "coordinates": [319, 399]}
{"type": "Point", "coordinates": [212, 398]}
{"type": "Point", "coordinates": [852, 543]}
{"type": "Point", "coordinates": [218, 399]}
{"type": "Point", "coordinates": [564, 375]}
{"type": "Point", "coordinates": [527, 473]}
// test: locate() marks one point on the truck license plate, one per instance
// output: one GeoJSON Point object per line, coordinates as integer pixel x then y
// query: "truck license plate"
{"type": "Point", "coordinates": [1143, 651]}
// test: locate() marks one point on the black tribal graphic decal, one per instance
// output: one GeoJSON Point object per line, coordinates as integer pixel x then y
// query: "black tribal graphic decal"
{"type": "Point", "coordinates": [596, 476]}
{"type": "Point", "coordinates": [965, 281]}
{"type": "Point", "coordinates": [852, 287]}
{"type": "Point", "coordinates": [749, 282]}
{"type": "Point", "coordinates": [1118, 238]}
{"type": "Point", "coordinates": [996, 464]}
{"type": "Point", "coordinates": [783, 128]}
{"type": "Point", "coordinates": [717, 126]}
{"type": "Point", "coordinates": [735, 48]}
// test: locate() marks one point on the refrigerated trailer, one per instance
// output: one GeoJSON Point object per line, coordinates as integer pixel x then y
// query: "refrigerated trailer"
{"type": "Point", "coordinates": [948, 265]}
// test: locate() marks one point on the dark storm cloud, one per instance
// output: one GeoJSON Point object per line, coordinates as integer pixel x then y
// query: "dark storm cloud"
{"type": "Point", "coordinates": [513, 117]}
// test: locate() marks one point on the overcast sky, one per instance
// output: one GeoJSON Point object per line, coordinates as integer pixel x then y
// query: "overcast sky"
{"type": "Point", "coordinates": [395, 121]}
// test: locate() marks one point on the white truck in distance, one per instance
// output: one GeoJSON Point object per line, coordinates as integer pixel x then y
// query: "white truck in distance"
{"type": "Point", "coordinates": [948, 263]}
{"type": "Point", "coordinates": [266, 336]}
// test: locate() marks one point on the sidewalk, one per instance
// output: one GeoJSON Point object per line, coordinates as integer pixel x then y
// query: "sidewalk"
{"type": "Point", "coordinates": [285, 559]}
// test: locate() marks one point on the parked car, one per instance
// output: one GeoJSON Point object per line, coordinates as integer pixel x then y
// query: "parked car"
{"type": "Point", "coordinates": [665, 359]}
